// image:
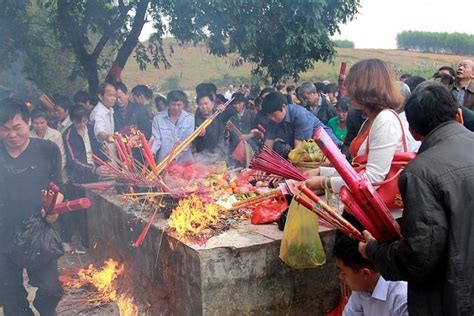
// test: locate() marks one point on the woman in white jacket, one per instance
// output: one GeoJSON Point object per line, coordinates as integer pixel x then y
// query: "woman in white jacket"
{"type": "Point", "coordinates": [373, 89]}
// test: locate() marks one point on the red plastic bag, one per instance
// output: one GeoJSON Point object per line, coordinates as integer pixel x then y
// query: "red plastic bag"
{"type": "Point", "coordinates": [269, 211]}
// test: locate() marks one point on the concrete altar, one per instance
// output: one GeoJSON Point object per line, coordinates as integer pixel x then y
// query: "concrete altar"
{"type": "Point", "coordinates": [235, 273]}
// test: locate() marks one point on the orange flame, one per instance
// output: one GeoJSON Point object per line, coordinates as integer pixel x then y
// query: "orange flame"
{"type": "Point", "coordinates": [102, 280]}
{"type": "Point", "coordinates": [192, 216]}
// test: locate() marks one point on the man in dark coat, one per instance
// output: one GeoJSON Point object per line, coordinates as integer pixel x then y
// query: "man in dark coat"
{"type": "Point", "coordinates": [317, 103]}
{"type": "Point", "coordinates": [436, 252]}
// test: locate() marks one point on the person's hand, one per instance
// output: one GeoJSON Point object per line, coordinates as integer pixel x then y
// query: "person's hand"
{"type": "Point", "coordinates": [257, 134]}
{"type": "Point", "coordinates": [202, 133]}
{"type": "Point", "coordinates": [246, 137]}
{"type": "Point", "coordinates": [53, 217]}
{"type": "Point", "coordinates": [315, 183]}
{"type": "Point", "coordinates": [363, 244]}
{"type": "Point", "coordinates": [342, 77]}
{"type": "Point", "coordinates": [102, 171]}
{"type": "Point", "coordinates": [110, 139]}
{"type": "Point", "coordinates": [312, 172]}
{"type": "Point", "coordinates": [221, 107]}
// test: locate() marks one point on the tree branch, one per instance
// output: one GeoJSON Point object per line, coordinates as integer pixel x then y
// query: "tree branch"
{"type": "Point", "coordinates": [113, 27]}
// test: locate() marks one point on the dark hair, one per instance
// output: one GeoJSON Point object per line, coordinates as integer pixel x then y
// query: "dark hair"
{"type": "Point", "coordinates": [414, 81]}
{"type": "Point", "coordinates": [206, 88]}
{"type": "Point", "coordinates": [175, 96]}
{"type": "Point", "coordinates": [343, 104]}
{"type": "Point", "coordinates": [10, 107]}
{"type": "Point", "coordinates": [200, 96]}
{"type": "Point", "coordinates": [159, 99]}
{"type": "Point", "coordinates": [280, 86]}
{"type": "Point", "coordinates": [449, 69]}
{"type": "Point", "coordinates": [121, 86]}
{"type": "Point", "coordinates": [81, 97]}
{"type": "Point", "coordinates": [290, 88]}
{"type": "Point", "coordinates": [404, 76]}
{"type": "Point", "coordinates": [103, 86]}
{"type": "Point", "coordinates": [331, 88]}
{"type": "Point", "coordinates": [239, 97]}
{"type": "Point", "coordinates": [63, 102]}
{"type": "Point", "coordinates": [444, 78]}
{"type": "Point", "coordinates": [220, 99]}
{"type": "Point", "coordinates": [142, 90]}
{"type": "Point", "coordinates": [346, 250]}
{"type": "Point", "coordinates": [77, 114]}
{"type": "Point", "coordinates": [266, 90]}
{"type": "Point", "coordinates": [320, 87]}
{"type": "Point", "coordinates": [430, 105]}
{"type": "Point", "coordinates": [273, 102]}
{"type": "Point", "coordinates": [372, 83]}
{"type": "Point", "coordinates": [38, 113]}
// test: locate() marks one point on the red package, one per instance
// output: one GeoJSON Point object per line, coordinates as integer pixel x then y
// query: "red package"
{"type": "Point", "coordinates": [269, 211]}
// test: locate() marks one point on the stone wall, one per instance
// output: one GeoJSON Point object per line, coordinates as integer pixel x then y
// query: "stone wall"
{"type": "Point", "coordinates": [237, 272]}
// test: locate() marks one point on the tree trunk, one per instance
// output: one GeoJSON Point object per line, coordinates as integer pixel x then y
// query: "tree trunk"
{"type": "Point", "coordinates": [130, 43]}
{"type": "Point", "coordinates": [92, 75]}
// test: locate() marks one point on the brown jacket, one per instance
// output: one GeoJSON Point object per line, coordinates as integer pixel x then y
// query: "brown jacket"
{"type": "Point", "coordinates": [469, 96]}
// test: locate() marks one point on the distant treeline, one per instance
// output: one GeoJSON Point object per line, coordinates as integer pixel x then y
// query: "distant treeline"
{"type": "Point", "coordinates": [433, 42]}
{"type": "Point", "coordinates": [344, 43]}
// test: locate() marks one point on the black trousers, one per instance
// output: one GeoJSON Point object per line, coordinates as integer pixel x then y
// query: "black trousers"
{"type": "Point", "coordinates": [13, 295]}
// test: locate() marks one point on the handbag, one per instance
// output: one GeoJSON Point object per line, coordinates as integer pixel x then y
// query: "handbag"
{"type": "Point", "coordinates": [388, 189]}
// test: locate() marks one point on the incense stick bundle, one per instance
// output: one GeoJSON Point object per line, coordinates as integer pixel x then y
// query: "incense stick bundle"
{"type": "Point", "coordinates": [185, 143]}
{"type": "Point", "coordinates": [269, 161]}
{"type": "Point", "coordinates": [313, 203]}
{"type": "Point", "coordinates": [74, 205]}
{"type": "Point", "coordinates": [256, 199]}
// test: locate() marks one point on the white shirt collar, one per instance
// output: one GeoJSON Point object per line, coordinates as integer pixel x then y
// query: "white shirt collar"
{"type": "Point", "coordinates": [381, 289]}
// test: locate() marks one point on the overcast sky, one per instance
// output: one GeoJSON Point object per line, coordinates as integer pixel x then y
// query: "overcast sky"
{"type": "Point", "coordinates": [379, 21]}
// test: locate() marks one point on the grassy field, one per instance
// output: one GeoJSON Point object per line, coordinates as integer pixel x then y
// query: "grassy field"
{"type": "Point", "coordinates": [192, 65]}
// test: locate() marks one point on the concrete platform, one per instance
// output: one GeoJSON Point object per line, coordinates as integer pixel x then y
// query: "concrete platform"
{"type": "Point", "coordinates": [236, 273]}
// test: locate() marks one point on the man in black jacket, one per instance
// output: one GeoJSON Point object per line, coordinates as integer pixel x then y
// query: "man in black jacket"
{"type": "Point", "coordinates": [316, 103]}
{"type": "Point", "coordinates": [128, 114]}
{"type": "Point", "coordinates": [436, 253]}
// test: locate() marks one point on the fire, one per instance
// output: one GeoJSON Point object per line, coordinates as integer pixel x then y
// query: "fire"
{"type": "Point", "coordinates": [102, 280]}
{"type": "Point", "coordinates": [192, 217]}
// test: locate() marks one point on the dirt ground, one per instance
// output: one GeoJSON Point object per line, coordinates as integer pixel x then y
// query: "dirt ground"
{"type": "Point", "coordinates": [69, 261]}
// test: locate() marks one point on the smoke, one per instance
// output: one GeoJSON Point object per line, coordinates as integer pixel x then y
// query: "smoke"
{"type": "Point", "coordinates": [207, 157]}
{"type": "Point", "coordinates": [15, 83]}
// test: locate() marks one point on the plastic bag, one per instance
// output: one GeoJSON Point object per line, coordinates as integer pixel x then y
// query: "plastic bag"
{"type": "Point", "coordinates": [301, 246]}
{"type": "Point", "coordinates": [36, 243]}
{"type": "Point", "coordinates": [269, 211]}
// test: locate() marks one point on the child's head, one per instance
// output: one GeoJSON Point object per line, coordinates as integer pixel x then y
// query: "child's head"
{"type": "Point", "coordinates": [355, 271]}
{"type": "Point", "coordinates": [342, 108]}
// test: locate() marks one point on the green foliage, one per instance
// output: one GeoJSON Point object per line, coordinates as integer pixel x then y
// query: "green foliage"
{"type": "Point", "coordinates": [32, 44]}
{"type": "Point", "coordinates": [282, 38]}
{"type": "Point", "coordinates": [172, 82]}
{"type": "Point", "coordinates": [344, 43]}
{"type": "Point", "coordinates": [446, 43]}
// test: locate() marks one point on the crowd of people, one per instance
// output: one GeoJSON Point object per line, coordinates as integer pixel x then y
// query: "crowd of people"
{"type": "Point", "coordinates": [373, 118]}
